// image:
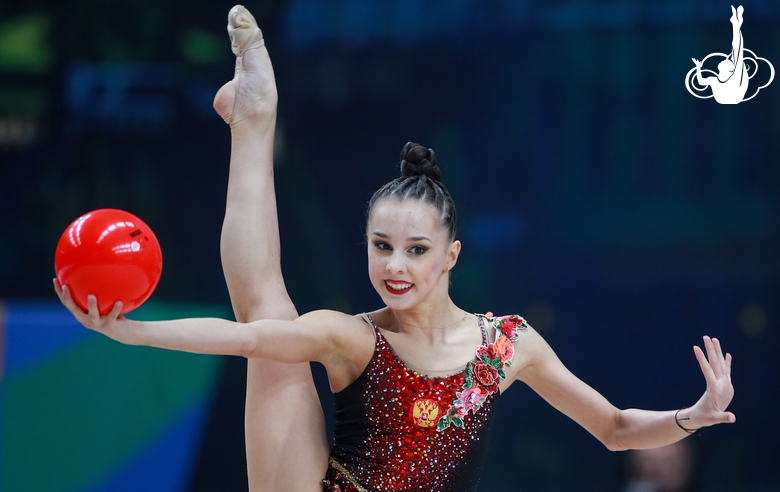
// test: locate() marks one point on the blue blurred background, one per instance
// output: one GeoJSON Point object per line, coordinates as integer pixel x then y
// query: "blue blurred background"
{"type": "Point", "coordinates": [598, 198]}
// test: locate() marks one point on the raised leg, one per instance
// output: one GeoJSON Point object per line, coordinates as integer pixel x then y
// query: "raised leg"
{"type": "Point", "coordinates": [736, 34]}
{"type": "Point", "coordinates": [287, 449]}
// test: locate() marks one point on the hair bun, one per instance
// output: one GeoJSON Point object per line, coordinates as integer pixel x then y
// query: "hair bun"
{"type": "Point", "coordinates": [417, 160]}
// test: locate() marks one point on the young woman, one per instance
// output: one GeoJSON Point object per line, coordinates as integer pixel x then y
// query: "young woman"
{"type": "Point", "coordinates": [416, 381]}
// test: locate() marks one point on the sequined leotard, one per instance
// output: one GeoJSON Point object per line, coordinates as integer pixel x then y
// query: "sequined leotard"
{"type": "Point", "coordinates": [397, 430]}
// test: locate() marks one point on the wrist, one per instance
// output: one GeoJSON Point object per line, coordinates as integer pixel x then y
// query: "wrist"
{"type": "Point", "coordinates": [129, 332]}
{"type": "Point", "coordinates": [682, 418]}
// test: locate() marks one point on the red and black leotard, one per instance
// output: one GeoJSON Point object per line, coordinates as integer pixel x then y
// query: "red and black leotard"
{"type": "Point", "coordinates": [387, 420]}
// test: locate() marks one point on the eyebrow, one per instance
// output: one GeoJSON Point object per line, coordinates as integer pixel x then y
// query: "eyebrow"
{"type": "Point", "coordinates": [413, 238]}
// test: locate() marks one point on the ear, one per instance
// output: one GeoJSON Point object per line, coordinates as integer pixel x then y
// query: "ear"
{"type": "Point", "coordinates": [452, 255]}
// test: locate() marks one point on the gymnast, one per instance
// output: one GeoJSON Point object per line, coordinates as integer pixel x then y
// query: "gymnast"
{"type": "Point", "coordinates": [415, 381]}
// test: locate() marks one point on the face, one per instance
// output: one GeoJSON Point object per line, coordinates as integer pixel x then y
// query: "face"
{"type": "Point", "coordinates": [409, 253]}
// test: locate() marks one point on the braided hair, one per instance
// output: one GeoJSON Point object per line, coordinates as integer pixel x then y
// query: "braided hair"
{"type": "Point", "coordinates": [420, 180]}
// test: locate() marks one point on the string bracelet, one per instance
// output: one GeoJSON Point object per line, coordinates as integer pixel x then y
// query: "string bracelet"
{"type": "Point", "coordinates": [677, 421]}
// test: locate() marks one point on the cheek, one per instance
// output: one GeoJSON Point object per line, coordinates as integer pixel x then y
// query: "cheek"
{"type": "Point", "coordinates": [431, 270]}
{"type": "Point", "coordinates": [375, 267]}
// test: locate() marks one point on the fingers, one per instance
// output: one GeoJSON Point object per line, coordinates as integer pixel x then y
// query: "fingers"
{"type": "Point", "coordinates": [712, 357]}
{"type": "Point", "coordinates": [92, 308]}
{"type": "Point", "coordinates": [721, 364]}
{"type": "Point", "coordinates": [721, 361]}
{"type": "Point", "coordinates": [706, 369]}
{"type": "Point", "coordinates": [92, 318]}
{"type": "Point", "coordinates": [114, 314]}
{"type": "Point", "coordinates": [60, 291]}
{"type": "Point", "coordinates": [99, 322]}
{"type": "Point", "coordinates": [67, 300]}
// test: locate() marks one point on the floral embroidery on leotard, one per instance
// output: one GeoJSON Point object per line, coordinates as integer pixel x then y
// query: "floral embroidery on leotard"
{"type": "Point", "coordinates": [485, 374]}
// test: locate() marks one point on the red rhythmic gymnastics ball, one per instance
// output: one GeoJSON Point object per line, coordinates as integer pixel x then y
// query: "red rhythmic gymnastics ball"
{"type": "Point", "coordinates": [112, 254]}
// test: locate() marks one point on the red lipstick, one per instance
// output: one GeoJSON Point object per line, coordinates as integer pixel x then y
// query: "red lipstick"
{"type": "Point", "coordinates": [398, 283]}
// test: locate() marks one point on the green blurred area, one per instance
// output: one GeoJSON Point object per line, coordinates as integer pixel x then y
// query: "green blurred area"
{"type": "Point", "coordinates": [25, 45]}
{"type": "Point", "coordinates": [76, 416]}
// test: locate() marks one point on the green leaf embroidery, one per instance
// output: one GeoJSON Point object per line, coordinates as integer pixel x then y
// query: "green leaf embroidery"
{"type": "Point", "coordinates": [467, 377]}
{"type": "Point", "coordinates": [452, 417]}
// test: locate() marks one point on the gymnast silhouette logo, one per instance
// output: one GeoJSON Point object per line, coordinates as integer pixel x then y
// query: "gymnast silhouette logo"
{"type": "Point", "coordinates": [730, 84]}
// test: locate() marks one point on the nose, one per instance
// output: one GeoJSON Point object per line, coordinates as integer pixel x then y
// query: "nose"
{"type": "Point", "coordinates": [396, 263]}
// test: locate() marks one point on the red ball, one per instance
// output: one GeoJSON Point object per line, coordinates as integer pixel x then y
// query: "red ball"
{"type": "Point", "coordinates": [112, 254]}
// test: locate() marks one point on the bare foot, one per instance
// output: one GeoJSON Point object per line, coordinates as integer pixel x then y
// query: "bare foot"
{"type": "Point", "coordinates": [252, 92]}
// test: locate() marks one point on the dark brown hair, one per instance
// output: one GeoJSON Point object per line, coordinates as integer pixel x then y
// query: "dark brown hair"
{"type": "Point", "coordinates": [420, 180]}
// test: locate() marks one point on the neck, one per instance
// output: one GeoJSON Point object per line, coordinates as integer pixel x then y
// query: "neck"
{"type": "Point", "coordinates": [429, 320]}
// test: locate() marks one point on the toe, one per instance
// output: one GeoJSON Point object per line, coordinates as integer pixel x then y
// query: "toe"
{"type": "Point", "coordinates": [243, 30]}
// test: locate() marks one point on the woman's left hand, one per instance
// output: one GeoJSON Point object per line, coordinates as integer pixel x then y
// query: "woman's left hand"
{"type": "Point", "coordinates": [711, 407]}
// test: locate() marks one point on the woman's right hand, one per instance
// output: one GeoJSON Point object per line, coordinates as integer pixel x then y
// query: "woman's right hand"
{"type": "Point", "coordinates": [111, 325]}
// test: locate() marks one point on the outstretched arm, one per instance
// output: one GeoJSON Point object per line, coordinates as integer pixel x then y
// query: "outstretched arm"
{"type": "Point", "coordinates": [618, 429]}
{"type": "Point", "coordinates": [278, 340]}
{"type": "Point", "coordinates": [701, 80]}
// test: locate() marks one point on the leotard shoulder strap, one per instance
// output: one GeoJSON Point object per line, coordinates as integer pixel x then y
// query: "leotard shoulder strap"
{"type": "Point", "coordinates": [367, 318]}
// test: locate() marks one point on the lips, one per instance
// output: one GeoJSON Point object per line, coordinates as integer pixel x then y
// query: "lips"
{"type": "Point", "coordinates": [398, 287]}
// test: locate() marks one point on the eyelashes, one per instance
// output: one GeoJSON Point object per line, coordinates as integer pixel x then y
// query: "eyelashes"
{"type": "Point", "coordinates": [414, 250]}
{"type": "Point", "coordinates": [418, 250]}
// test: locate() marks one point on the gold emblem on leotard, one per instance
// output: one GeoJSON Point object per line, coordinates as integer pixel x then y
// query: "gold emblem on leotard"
{"type": "Point", "coordinates": [424, 412]}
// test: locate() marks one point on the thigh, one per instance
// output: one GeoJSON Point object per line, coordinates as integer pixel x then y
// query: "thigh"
{"type": "Point", "coordinates": [286, 445]}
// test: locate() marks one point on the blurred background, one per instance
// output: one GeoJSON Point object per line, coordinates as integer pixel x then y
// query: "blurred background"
{"type": "Point", "coordinates": [623, 217]}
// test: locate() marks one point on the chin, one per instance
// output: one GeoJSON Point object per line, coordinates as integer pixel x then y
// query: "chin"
{"type": "Point", "coordinates": [398, 303]}
{"type": "Point", "coordinates": [394, 303]}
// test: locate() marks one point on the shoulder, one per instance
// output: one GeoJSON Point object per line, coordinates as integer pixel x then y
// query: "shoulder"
{"type": "Point", "coordinates": [510, 325]}
{"type": "Point", "coordinates": [325, 317]}
{"type": "Point", "coordinates": [351, 342]}
{"type": "Point", "coordinates": [337, 323]}
{"type": "Point", "coordinates": [382, 318]}
{"type": "Point", "coordinates": [528, 348]}
{"type": "Point", "coordinates": [510, 328]}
